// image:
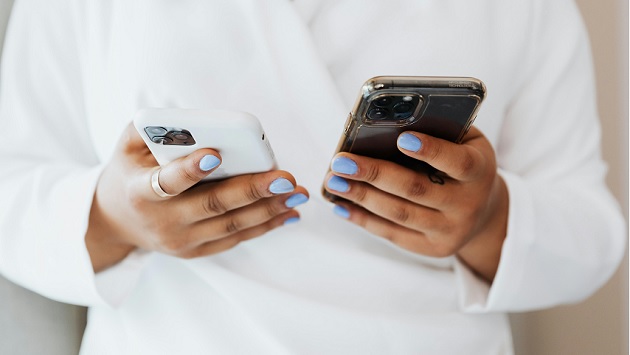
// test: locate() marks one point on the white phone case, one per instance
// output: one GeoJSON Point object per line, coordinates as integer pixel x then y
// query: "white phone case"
{"type": "Point", "coordinates": [237, 136]}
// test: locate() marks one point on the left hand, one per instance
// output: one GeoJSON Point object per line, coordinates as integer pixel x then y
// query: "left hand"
{"type": "Point", "coordinates": [459, 210]}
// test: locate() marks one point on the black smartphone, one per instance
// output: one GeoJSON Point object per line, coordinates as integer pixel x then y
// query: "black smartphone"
{"type": "Point", "coordinates": [444, 107]}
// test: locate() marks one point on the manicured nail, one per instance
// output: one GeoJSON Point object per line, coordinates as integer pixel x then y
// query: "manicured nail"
{"type": "Point", "coordinates": [338, 184]}
{"type": "Point", "coordinates": [296, 200]}
{"type": "Point", "coordinates": [408, 141]}
{"type": "Point", "coordinates": [344, 165]}
{"type": "Point", "coordinates": [281, 186]}
{"type": "Point", "coordinates": [341, 212]}
{"type": "Point", "coordinates": [209, 162]}
{"type": "Point", "coordinates": [291, 220]}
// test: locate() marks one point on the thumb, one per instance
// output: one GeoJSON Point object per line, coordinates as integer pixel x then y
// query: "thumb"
{"type": "Point", "coordinates": [181, 174]}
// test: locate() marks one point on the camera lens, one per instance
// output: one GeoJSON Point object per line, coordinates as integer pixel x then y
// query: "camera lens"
{"type": "Point", "coordinates": [403, 109]}
{"type": "Point", "coordinates": [182, 136]}
{"type": "Point", "coordinates": [158, 131]}
{"type": "Point", "coordinates": [378, 113]}
{"type": "Point", "coordinates": [383, 101]}
{"type": "Point", "coordinates": [161, 140]}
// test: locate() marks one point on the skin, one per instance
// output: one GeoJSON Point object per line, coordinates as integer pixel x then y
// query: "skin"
{"type": "Point", "coordinates": [463, 213]}
{"type": "Point", "coordinates": [202, 219]}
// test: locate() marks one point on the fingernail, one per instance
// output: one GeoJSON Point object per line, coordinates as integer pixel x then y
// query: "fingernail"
{"type": "Point", "coordinates": [344, 165]}
{"type": "Point", "coordinates": [281, 186]}
{"type": "Point", "coordinates": [296, 200]}
{"type": "Point", "coordinates": [408, 141]}
{"type": "Point", "coordinates": [291, 220]}
{"type": "Point", "coordinates": [338, 184]}
{"type": "Point", "coordinates": [209, 162]}
{"type": "Point", "coordinates": [341, 212]}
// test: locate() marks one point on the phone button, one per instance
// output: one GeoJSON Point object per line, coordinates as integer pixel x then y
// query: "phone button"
{"type": "Point", "coordinates": [349, 125]}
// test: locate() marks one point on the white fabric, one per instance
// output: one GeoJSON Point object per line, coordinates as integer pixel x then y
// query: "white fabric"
{"type": "Point", "coordinates": [75, 71]}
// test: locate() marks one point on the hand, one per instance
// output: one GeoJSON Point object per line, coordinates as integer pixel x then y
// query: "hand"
{"type": "Point", "coordinates": [460, 209]}
{"type": "Point", "coordinates": [201, 219]}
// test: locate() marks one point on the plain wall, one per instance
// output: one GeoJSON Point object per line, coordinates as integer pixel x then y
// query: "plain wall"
{"type": "Point", "coordinates": [31, 324]}
{"type": "Point", "coordinates": [599, 325]}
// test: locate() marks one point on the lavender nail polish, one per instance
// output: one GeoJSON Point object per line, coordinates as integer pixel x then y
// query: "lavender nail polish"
{"type": "Point", "coordinates": [344, 165]}
{"type": "Point", "coordinates": [296, 200]}
{"type": "Point", "coordinates": [339, 184]}
{"type": "Point", "coordinates": [408, 141]}
{"type": "Point", "coordinates": [281, 186]}
{"type": "Point", "coordinates": [209, 162]}
{"type": "Point", "coordinates": [341, 212]}
{"type": "Point", "coordinates": [291, 220]}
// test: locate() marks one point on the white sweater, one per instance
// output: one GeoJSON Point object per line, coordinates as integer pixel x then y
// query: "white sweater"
{"type": "Point", "coordinates": [75, 71]}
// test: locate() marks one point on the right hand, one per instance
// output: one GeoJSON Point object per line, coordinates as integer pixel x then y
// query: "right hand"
{"type": "Point", "coordinates": [200, 220]}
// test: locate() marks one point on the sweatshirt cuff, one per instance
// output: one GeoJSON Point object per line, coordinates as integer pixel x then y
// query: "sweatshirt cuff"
{"type": "Point", "coordinates": [475, 294]}
{"type": "Point", "coordinates": [115, 283]}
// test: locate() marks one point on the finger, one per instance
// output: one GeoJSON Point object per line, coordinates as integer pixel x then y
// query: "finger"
{"type": "Point", "coordinates": [135, 149]}
{"type": "Point", "coordinates": [233, 240]}
{"type": "Point", "coordinates": [426, 188]}
{"type": "Point", "coordinates": [390, 207]}
{"type": "Point", "coordinates": [131, 141]}
{"type": "Point", "coordinates": [412, 240]}
{"type": "Point", "coordinates": [216, 198]}
{"type": "Point", "coordinates": [462, 162]}
{"type": "Point", "coordinates": [238, 220]}
{"type": "Point", "coordinates": [178, 175]}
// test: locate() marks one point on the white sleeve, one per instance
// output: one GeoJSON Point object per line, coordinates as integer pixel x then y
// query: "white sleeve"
{"type": "Point", "coordinates": [49, 167]}
{"type": "Point", "coordinates": [566, 235]}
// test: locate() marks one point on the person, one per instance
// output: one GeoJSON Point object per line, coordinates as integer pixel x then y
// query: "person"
{"type": "Point", "coordinates": [523, 221]}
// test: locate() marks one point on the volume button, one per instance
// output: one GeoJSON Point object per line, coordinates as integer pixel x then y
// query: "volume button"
{"type": "Point", "coordinates": [349, 125]}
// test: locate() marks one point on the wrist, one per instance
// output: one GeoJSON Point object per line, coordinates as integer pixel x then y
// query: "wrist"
{"type": "Point", "coordinates": [482, 252]}
{"type": "Point", "coordinates": [103, 245]}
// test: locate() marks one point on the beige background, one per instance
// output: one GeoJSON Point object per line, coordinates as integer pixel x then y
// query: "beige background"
{"type": "Point", "coordinates": [30, 324]}
{"type": "Point", "coordinates": [599, 325]}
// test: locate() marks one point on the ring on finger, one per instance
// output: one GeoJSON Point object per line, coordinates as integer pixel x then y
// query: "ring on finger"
{"type": "Point", "coordinates": [155, 183]}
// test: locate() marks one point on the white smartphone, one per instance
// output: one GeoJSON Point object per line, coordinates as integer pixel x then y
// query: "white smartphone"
{"type": "Point", "coordinates": [171, 133]}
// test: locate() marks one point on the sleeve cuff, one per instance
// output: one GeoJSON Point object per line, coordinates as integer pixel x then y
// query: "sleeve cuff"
{"type": "Point", "coordinates": [476, 296]}
{"type": "Point", "coordinates": [114, 284]}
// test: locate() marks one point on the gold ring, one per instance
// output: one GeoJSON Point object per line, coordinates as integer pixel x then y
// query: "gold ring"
{"type": "Point", "coordinates": [155, 183]}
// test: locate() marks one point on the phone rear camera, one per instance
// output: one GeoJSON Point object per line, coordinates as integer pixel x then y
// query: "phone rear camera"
{"type": "Point", "coordinates": [403, 110]}
{"type": "Point", "coordinates": [383, 101]}
{"type": "Point", "coordinates": [161, 140]}
{"type": "Point", "coordinates": [158, 131]}
{"type": "Point", "coordinates": [378, 113]}
{"type": "Point", "coordinates": [182, 136]}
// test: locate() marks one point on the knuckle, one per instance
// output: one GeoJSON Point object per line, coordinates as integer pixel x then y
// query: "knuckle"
{"type": "Point", "coordinates": [372, 173]}
{"type": "Point", "coordinates": [417, 189]}
{"type": "Point", "coordinates": [213, 205]}
{"type": "Point", "coordinates": [273, 209]}
{"type": "Point", "coordinates": [253, 193]}
{"type": "Point", "coordinates": [433, 151]}
{"type": "Point", "coordinates": [401, 214]}
{"type": "Point", "coordinates": [232, 225]}
{"type": "Point", "coordinates": [187, 174]}
{"type": "Point", "coordinates": [467, 165]}
{"type": "Point", "coordinates": [359, 193]}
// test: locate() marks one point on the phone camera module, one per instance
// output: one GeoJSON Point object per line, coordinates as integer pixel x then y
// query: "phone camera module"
{"type": "Point", "coordinates": [378, 113]}
{"type": "Point", "coordinates": [383, 101]}
{"type": "Point", "coordinates": [162, 140]}
{"type": "Point", "coordinates": [158, 131]}
{"type": "Point", "coordinates": [169, 135]}
{"type": "Point", "coordinates": [403, 110]}
{"type": "Point", "coordinates": [182, 136]}
{"type": "Point", "coordinates": [392, 108]}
